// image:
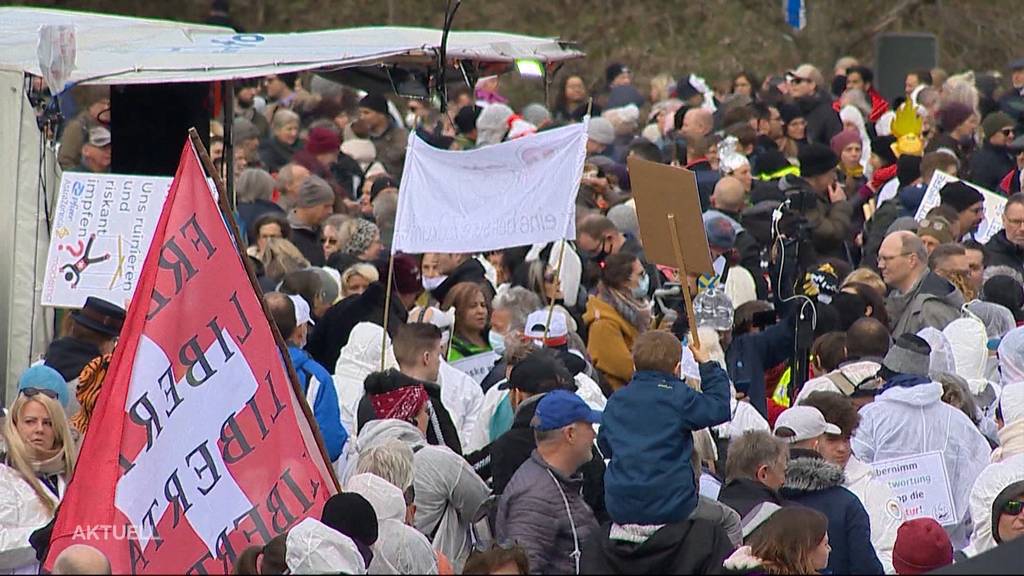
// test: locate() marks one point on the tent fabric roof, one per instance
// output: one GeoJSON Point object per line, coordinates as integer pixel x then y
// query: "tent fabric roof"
{"type": "Point", "coordinates": [125, 50]}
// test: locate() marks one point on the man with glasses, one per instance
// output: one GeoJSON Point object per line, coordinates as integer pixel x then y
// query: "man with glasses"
{"type": "Point", "coordinates": [1006, 248]}
{"type": "Point", "coordinates": [806, 86]}
{"type": "Point", "coordinates": [990, 164]}
{"type": "Point", "coordinates": [918, 298]}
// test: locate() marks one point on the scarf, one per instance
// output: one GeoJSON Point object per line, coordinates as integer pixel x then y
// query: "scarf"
{"type": "Point", "coordinates": [46, 462]}
{"type": "Point", "coordinates": [905, 381]}
{"type": "Point", "coordinates": [854, 172]}
{"type": "Point", "coordinates": [881, 176]}
{"type": "Point", "coordinates": [633, 533]}
{"type": "Point", "coordinates": [630, 310]}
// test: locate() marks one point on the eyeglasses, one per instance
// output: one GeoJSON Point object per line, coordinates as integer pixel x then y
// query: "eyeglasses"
{"type": "Point", "coordinates": [1007, 131]}
{"type": "Point", "coordinates": [330, 241]}
{"type": "Point", "coordinates": [891, 258]}
{"type": "Point", "coordinates": [1013, 508]}
{"type": "Point", "coordinates": [30, 392]}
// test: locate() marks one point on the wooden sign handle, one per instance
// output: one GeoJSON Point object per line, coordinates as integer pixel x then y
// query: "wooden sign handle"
{"type": "Point", "coordinates": [684, 279]}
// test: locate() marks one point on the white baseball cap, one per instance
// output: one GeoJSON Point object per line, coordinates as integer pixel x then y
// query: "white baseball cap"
{"type": "Point", "coordinates": [301, 311]}
{"type": "Point", "coordinates": [558, 332]}
{"type": "Point", "coordinates": [807, 422]}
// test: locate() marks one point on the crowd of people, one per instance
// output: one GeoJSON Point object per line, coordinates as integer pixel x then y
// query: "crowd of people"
{"type": "Point", "coordinates": [547, 411]}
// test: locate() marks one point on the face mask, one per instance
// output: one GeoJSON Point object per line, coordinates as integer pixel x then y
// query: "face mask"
{"type": "Point", "coordinates": [600, 255]}
{"type": "Point", "coordinates": [496, 341]}
{"type": "Point", "coordinates": [641, 290]}
{"type": "Point", "coordinates": [410, 120]}
{"type": "Point", "coordinates": [430, 284]}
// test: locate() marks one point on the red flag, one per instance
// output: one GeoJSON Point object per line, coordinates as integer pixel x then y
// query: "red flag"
{"type": "Point", "coordinates": [199, 446]}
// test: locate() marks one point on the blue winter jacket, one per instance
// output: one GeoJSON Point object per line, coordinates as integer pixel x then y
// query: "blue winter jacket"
{"type": "Point", "coordinates": [325, 404]}
{"type": "Point", "coordinates": [647, 430]}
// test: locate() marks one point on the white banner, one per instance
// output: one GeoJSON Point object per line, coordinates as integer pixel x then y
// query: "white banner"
{"type": "Point", "coordinates": [103, 225]}
{"type": "Point", "coordinates": [477, 366]}
{"type": "Point", "coordinates": [510, 194]}
{"type": "Point", "coordinates": [921, 485]}
{"type": "Point", "coordinates": [994, 205]}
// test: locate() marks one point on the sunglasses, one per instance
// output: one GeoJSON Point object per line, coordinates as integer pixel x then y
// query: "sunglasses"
{"type": "Point", "coordinates": [30, 392]}
{"type": "Point", "coordinates": [797, 80]}
{"type": "Point", "coordinates": [1013, 508]}
{"type": "Point", "coordinates": [1007, 131]}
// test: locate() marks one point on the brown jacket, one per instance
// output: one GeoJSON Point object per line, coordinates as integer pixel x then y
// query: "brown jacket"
{"type": "Point", "coordinates": [610, 342]}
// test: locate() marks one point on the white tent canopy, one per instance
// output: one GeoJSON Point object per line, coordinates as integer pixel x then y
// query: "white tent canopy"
{"type": "Point", "coordinates": [123, 50]}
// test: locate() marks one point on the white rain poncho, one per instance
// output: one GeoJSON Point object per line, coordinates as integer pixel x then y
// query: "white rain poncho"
{"type": "Point", "coordinates": [941, 358]}
{"type": "Point", "coordinates": [912, 421]}
{"type": "Point", "coordinates": [359, 357]}
{"type": "Point", "coordinates": [462, 397]}
{"type": "Point", "coordinates": [387, 499]}
{"type": "Point", "coordinates": [994, 479]}
{"type": "Point", "coordinates": [1011, 357]}
{"type": "Point", "coordinates": [400, 549]}
{"type": "Point", "coordinates": [853, 115]}
{"type": "Point", "coordinates": [970, 351]}
{"type": "Point", "coordinates": [997, 318]}
{"type": "Point", "coordinates": [314, 548]}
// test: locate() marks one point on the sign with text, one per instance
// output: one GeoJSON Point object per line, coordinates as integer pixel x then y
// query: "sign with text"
{"type": "Point", "coordinates": [995, 204]}
{"type": "Point", "coordinates": [199, 445]}
{"type": "Point", "coordinates": [921, 485]}
{"type": "Point", "coordinates": [477, 366]}
{"type": "Point", "coordinates": [102, 227]}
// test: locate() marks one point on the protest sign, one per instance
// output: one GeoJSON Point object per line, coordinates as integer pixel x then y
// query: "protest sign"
{"type": "Point", "coordinates": [199, 445]}
{"type": "Point", "coordinates": [102, 227]}
{"type": "Point", "coordinates": [477, 366]}
{"type": "Point", "coordinates": [921, 485]}
{"type": "Point", "coordinates": [995, 204]}
{"type": "Point", "coordinates": [510, 194]}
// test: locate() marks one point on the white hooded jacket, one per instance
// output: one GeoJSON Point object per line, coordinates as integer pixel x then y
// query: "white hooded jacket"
{"type": "Point", "coordinates": [993, 480]}
{"type": "Point", "coordinates": [883, 508]}
{"type": "Point", "coordinates": [855, 372]}
{"type": "Point", "coordinates": [21, 514]}
{"type": "Point", "coordinates": [912, 421]}
{"type": "Point", "coordinates": [359, 357]}
{"type": "Point", "coordinates": [969, 341]}
{"type": "Point", "coordinates": [462, 397]}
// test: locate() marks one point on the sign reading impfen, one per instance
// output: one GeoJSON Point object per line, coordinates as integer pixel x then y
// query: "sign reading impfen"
{"type": "Point", "coordinates": [921, 485]}
{"type": "Point", "coordinates": [102, 227]}
{"type": "Point", "coordinates": [994, 205]}
{"type": "Point", "coordinates": [514, 193]}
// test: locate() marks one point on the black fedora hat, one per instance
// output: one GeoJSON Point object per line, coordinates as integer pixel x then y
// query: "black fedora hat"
{"type": "Point", "coordinates": [101, 316]}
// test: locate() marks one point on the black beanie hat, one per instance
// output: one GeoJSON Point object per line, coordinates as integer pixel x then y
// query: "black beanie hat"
{"type": "Point", "coordinates": [881, 146]}
{"type": "Point", "coordinates": [375, 102]}
{"type": "Point", "coordinates": [816, 159]}
{"type": "Point", "coordinates": [960, 196]}
{"type": "Point", "coordinates": [789, 112]}
{"type": "Point", "coordinates": [352, 515]}
{"type": "Point", "coordinates": [465, 120]}
{"type": "Point", "coordinates": [908, 169]}
{"type": "Point", "coordinates": [613, 71]}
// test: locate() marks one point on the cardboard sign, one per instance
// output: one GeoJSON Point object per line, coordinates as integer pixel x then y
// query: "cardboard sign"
{"type": "Point", "coordinates": [995, 204]}
{"type": "Point", "coordinates": [102, 227]}
{"type": "Point", "coordinates": [477, 366]}
{"type": "Point", "coordinates": [660, 190]}
{"type": "Point", "coordinates": [921, 485]}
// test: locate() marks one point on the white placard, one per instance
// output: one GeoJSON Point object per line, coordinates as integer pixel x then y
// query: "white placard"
{"type": "Point", "coordinates": [994, 205]}
{"type": "Point", "coordinates": [921, 485]}
{"type": "Point", "coordinates": [477, 366]}
{"type": "Point", "coordinates": [103, 225]}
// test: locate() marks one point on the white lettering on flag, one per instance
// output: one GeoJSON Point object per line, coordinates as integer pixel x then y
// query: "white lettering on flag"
{"type": "Point", "coordinates": [510, 194]}
{"type": "Point", "coordinates": [185, 456]}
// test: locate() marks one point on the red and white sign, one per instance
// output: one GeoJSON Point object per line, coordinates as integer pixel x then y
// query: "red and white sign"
{"type": "Point", "coordinates": [199, 446]}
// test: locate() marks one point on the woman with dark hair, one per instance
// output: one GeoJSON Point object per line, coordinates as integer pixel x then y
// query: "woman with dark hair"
{"type": "Point", "coordinates": [793, 540]}
{"type": "Point", "coordinates": [572, 100]}
{"type": "Point", "coordinates": [746, 83]}
{"type": "Point", "coordinates": [616, 315]}
{"type": "Point", "coordinates": [472, 313]}
{"type": "Point", "coordinates": [794, 130]}
{"type": "Point", "coordinates": [875, 301]}
{"type": "Point", "coordinates": [498, 560]}
{"type": "Point", "coordinates": [307, 284]}
{"type": "Point", "coordinates": [267, 226]}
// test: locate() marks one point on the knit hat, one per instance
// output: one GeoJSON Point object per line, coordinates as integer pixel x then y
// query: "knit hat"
{"type": "Point", "coordinates": [816, 159]}
{"type": "Point", "coordinates": [922, 545]}
{"type": "Point", "coordinates": [99, 137]}
{"type": "Point", "coordinates": [322, 141]}
{"type": "Point", "coordinates": [352, 515]}
{"type": "Point", "coordinates": [720, 233]}
{"type": "Point", "coordinates": [408, 279]}
{"type": "Point", "coordinates": [951, 115]}
{"type": "Point", "coordinates": [536, 114]}
{"type": "Point", "coordinates": [960, 196]}
{"type": "Point", "coordinates": [242, 130]}
{"type": "Point", "coordinates": [361, 237]}
{"type": "Point", "coordinates": [789, 112]}
{"type": "Point", "coordinates": [375, 102]}
{"type": "Point", "coordinates": [881, 146]}
{"type": "Point", "coordinates": [315, 191]}
{"type": "Point", "coordinates": [614, 70]}
{"type": "Point", "coordinates": [381, 184]}
{"type": "Point", "coordinates": [909, 355]}
{"type": "Point", "coordinates": [45, 380]}
{"type": "Point", "coordinates": [843, 139]}
{"type": "Point", "coordinates": [908, 169]}
{"type": "Point", "coordinates": [465, 120]}
{"type": "Point", "coordinates": [995, 122]}
{"type": "Point", "coordinates": [492, 124]}
{"type": "Point", "coordinates": [685, 90]}
{"type": "Point", "coordinates": [903, 224]}
{"type": "Point", "coordinates": [937, 227]}
{"type": "Point", "coordinates": [601, 131]}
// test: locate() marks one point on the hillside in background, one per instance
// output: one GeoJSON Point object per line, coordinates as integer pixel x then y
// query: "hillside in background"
{"type": "Point", "coordinates": [714, 38]}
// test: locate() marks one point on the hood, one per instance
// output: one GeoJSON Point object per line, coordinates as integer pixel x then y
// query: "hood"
{"type": "Point", "coordinates": [361, 355]}
{"type": "Point", "coordinates": [1011, 441]}
{"type": "Point", "coordinates": [992, 481]}
{"type": "Point", "coordinates": [299, 357]}
{"type": "Point", "coordinates": [378, 432]}
{"type": "Point", "coordinates": [969, 341]}
{"type": "Point", "coordinates": [314, 548]}
{"type": "Point", "coordinates": [855, 471]}
{"type": "Point", "coordinates": [938, 287]}
{"type": "Point", "coordinates": [860, 370]}
{"type": "Point", "coordinates": [401, 549]}
{"type": "Point", "coordinates": [599, 309]}
{"type": "Point", "coordinates": [656, 555]}
{"type": "Point", "coordinates": [917, 396]}
{"type": "Point", "coordinates": [387, 381]}
{"type": "Point", "coordinates": [1011, 357]}
{"type": "Point", "coordinates": [69, 355]}
{"type": "Point", "coordinates": [807, 473]}
{"type": "Point", "coordinates": [719, 214]}
{"type": "Point", "coordinates": [524, 414]}
{"type": "Point", "coordinates": [997, 318]}
{"type": "Point", "coordinates": [941, 358]}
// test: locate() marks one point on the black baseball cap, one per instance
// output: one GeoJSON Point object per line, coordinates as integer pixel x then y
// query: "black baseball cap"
{"type": "Point", "coordinates": [538, 373]}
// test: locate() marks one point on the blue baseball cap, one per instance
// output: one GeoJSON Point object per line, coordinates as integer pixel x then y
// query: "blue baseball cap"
{"type": "Point", "coordinates": [42, 378]}
{"type": "Point", "coordinates": [560, 408]}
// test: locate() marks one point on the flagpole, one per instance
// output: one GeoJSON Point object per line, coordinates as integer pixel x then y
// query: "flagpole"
{"type": "Point", "coordinates": [229, 218]}
{"type": "Point", "coordinates": [558, 277]}
{"type": "Point", "coordinates": [387, 309]}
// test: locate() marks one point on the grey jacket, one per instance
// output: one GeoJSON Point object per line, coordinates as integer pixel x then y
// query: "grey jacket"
{"type": "Point", "coordinates": [727, 518]}
{"type": "Point", "coordinates": [933, 301]}
{"type": "Point", "coordinates": [532, 513]}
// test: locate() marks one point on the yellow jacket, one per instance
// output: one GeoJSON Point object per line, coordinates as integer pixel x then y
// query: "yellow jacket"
{"type": "Point", "coordinates": [610, 342]}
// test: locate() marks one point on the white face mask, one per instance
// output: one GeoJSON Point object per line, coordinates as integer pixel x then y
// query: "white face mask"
{"type": "Point", "coordinates": [431, 284]}
{"type": "Point", "coordinates": [497, 342]}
